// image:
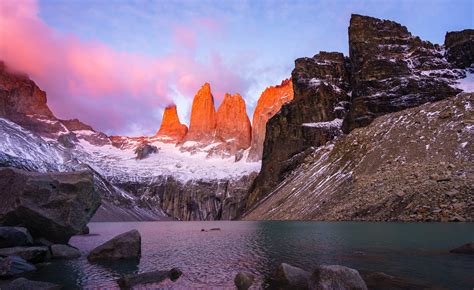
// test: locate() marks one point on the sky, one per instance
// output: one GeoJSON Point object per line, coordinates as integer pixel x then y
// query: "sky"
{"type": "Point", "coordinates": [116, 64]}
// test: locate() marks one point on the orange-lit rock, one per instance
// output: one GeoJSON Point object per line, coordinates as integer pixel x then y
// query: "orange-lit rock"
{"type": "Point", "coordinates": [171, 129]}
{"type": "Point", "coordinates": [269, 104]}
{"type": "Point", "coordinates": [202, 125]}
{"type": "Point", "coordinates": [233, 124]}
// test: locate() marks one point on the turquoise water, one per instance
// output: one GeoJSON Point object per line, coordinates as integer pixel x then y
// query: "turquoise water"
{"type": "Point", "coordinates": [213, 258]}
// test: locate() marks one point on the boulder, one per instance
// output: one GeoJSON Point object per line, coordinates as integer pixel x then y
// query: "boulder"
{"type": "Point", "coordinates": [30, 254]}
{"type": "Point", "coordinates": [269, 103]}
{"type": "Point", "coordinates": [290, 277]}
{"type": "Point", "coordinates": [123, 246]}
{"type": "Point", "coordinates": [459, 47]}
{"type": "Point", "coordinates": [129, 281]}
{"type": "Point", "coordinates": [202, 124]}
{"type": "Point", "coordinates": [25, 284]}
{"type": "Point", "coordinates": [329, 277]}
{"type": "Point", "coordinates": [467, 249]}
{"type": "Point", "coordinates": [14, 236]}
{"type": "Point", "coordinates": [13, 265]}
{"type": "Point", "coordinates": [171, 129]}
{"type": "Point", "coordinates": [60, 251]}
{"type": "Point", "coordinates": [144, 150]}
{"type": "Point", "coordinates": [382, 281]}
{"type": "Point", "coordinates": [243, 281]}
{"type": "Point", "coordinates": [233, 124]}
{"type": "Point", "coordinates": [55, 206]}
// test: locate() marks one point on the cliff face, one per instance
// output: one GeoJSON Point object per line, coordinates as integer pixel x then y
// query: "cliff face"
{"type": "Point", "coordinates": [202, 125]}
{"type": "Point", "coordinates": [269, 103]}
{"type": "Point", "coordinates": [171, 129]}
{"type": "Point", "coordinates": [411, 165]}
{"type": "Point", "coordinates": [392, 70]}
{"type": "Point", "coordinates": [311, 119]}
{"type": "Point", "coordinates": [388, 70]}
{"type": "Point", "coordinates": [460, 47]}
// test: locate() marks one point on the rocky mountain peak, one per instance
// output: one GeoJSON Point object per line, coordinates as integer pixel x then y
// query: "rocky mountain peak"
{"type": "Point", "coordinates": [233, 124]}
{"type": "Point", "coordinates": [269, 103]}
{"type": "Point", "coordinates": [171, 129]}
{"type": "Point", "coordinates": [203, 116]}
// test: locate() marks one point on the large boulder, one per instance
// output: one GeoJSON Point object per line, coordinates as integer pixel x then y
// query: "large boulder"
{"type": "Point", "coordinates": [55, 206]}
{"type": "Point", "coordinates": [25, 284]}
{"type": "Point", "coordinates": [59, 251]}
{"type": "Point", "coordinates": [13, 265]}
{"type": "Point", "coordinates": [269, 103]}
{"type": "Point", "coordinates": [30, 254]}
{"type": "Point", "coordinates": [243, 281]}
{"type": "Point", "coordinates": [290, 277]}
{"type": "Point", "coordinates": [329, 277]}
{"type": "Point", "coordinates": [14, 236]}
{"type": "Point", "coordinates": [144, 150]}
{"type": "Point", "coordinates": [171, 129]}
{"type": "Point", "coordinates": [459, 47]}
{"type": "Point", "coordinates": [123, 246]}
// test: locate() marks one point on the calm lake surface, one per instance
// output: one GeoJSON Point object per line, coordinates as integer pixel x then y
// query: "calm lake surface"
{"type": "Point", "coordinates": [211, 259]}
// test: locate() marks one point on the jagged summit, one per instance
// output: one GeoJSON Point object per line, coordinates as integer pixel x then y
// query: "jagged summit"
{"type": "Point", "coordinates": [171, 129]}
{"type": "Point", "coordinates": [203, 116]}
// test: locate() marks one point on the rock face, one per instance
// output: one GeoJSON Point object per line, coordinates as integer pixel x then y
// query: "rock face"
{"type": "Point", "coordinates": [123, 246]}
{"type": "Point", "coordinates": [203, 116]}
{"type": "Point", "coordinates": [51, 205]}
{"type": "Point", "coordinates": [392, 70]}
{"type": "Point", "coordinates": [171, 129]}
{"type": "Point", "coordinates": [459, 47]}
{"type": "Point", "coordinates": [328, 277]}
{"type": "Point", "coordinates": [413, 165]}
{"type": "Point", "coordinates": [14, 236]}
{"type": "Point", "coordinates": [311, 119]}
{"type": "Point", "coordinates": [269, 103]}
{"type": "Point", "coordinates": [233, 124]}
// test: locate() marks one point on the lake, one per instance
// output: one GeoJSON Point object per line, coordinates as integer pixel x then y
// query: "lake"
{"type": "Point", "coordinates": [212, 258]}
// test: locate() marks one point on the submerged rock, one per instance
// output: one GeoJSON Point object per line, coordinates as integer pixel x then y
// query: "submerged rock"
{"type": "Point", "coordinates": [30, 254]}
{"type": "Point", "coordinates": [329, 277]}
{"type": "Point", "coordinates": [290, 277]}
{"type": "Point", "coordinates": [55, 206]}
{"type": "Point", "coordinates": [14, 236]}
{"type": "Point", "coordinates": [25, 284]}
{"type": "Point", "coordinates": [14, 265]}
{"type": "Point", "coordinates": [123, 246]}
{"type": "Point", "coordinates": [60, 251]}
{"type": "Point", "coordinates": [243, 281]}
{"type": "Point", "coordinates": [464, 249]}
{"type": "Point", "coordinates": [382, 281]}
{"type": "Point", "coordinates": [129, 281]}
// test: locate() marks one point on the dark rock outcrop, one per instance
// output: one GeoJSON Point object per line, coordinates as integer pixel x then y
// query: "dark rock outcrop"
{"type": "Point", "coordinates": [25, 284]}
{"type": "Point", "coordinates": [60, 251]}
{"type": "Point", "coordinates": [145, 150]}
{"type": "Point", "coordinates": [392, 70]}
{"type": "Point", "coordinates": [124, 246]}
{"type": "Point", "coordinates": [464, 249]}
{"type": "Point", "coordinates": [130, 281]}
{"type": "Point", "coordinates": [14, 236]}
{"type": "Point", "coordinates": [30, 254]}
{"type": "Point", "coordinates": [311, 119]}
{"type": "Point", "coordinates": [55, 206]}
{"type": "Point", "coordinates": [459, 47]}
{"type": "Point", "coordinates": [13, 265]}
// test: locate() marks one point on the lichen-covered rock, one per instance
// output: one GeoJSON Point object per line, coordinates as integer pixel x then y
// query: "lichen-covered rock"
{"type": "Point", "coordinates": [55, 206]}
{"type": "Point", "coordinates": [459, 47]}
{"type": "Point", "coordinates": [171, 129]}
{"type": "Point", "coordinates": [124, 246]}
{"type": "Point", "coordinates": [269, 103]}
{"type": "Point", "coordinates": [392, 70]}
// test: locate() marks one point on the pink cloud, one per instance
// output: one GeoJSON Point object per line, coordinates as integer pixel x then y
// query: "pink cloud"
{"type": "Point", "coordinates": [111, 90]}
